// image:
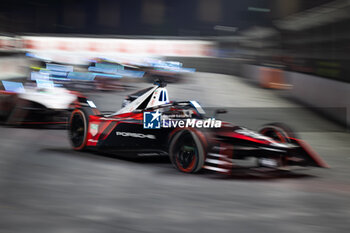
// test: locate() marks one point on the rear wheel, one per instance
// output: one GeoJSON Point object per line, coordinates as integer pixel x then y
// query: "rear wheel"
{"type": "Point", "coordinates": [186, 152]}
{"type": "Point", "coordinates": [78, 127]}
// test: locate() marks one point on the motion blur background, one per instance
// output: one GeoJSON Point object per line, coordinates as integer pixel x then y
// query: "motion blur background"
{"type": "Point", "coordinates": [260, 54]}
{"type": "Point", "coordinates": [258, 39]}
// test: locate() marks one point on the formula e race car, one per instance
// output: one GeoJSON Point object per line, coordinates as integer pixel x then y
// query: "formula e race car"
{"type": "Point", "coordinates": [147, 69]}
{"type": "Point", "coordinates": [41, 105]}
{"type": "Point", "coordinates": [100, 77]}
{"type": "Point", "coordinates": [152, 125]}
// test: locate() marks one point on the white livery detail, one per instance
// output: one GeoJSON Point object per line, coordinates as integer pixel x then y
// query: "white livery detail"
{"type": "Point", "coordinates": [154, 97]}
{"type": "Point", "coordinates": [54, 98]}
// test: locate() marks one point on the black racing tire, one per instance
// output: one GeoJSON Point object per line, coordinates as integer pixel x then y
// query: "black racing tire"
{"type": "Point", "coordinates": [11, 118]}
{"type": "Point", "coordinates": [78, 127]}
{"type": "Point", "coordinates": [18, 114]}
{"type": "Point", "coordinates": [186, 151]}
{"type": "Point", "coordinates": [278, 131]}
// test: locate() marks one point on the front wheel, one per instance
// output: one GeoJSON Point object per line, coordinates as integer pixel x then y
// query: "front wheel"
{"type": "Point", "coordinates": [186, 152]}
{"type": "Point", "coordinates": [278, 131]}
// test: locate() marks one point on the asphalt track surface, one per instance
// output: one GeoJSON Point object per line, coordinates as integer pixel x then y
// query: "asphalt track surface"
{"type": "Point", "coordinates": [47, 187]}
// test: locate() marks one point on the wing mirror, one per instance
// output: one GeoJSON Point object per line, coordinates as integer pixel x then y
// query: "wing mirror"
{"type": "Point", "coordinates": [219, 111]}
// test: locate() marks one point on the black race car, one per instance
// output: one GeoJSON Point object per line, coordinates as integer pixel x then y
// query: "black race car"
{"type": "Point", "coordinates": [152, 125]}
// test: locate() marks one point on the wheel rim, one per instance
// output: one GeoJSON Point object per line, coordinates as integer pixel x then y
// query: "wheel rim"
{"type": "Point", "coordinates": [77, 131]}
{"type": "Point", "coordinates": [186, 153]}
{"type": "Point", "coordinates": [275, 135]}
